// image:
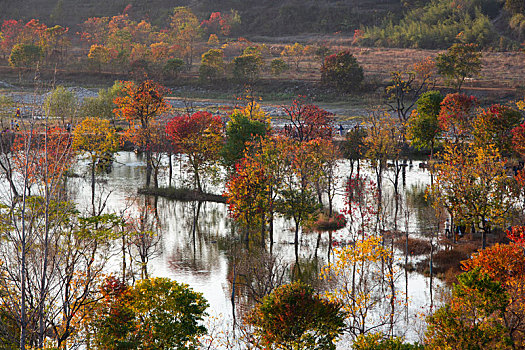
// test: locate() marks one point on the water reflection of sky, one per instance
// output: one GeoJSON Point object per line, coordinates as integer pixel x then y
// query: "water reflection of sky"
{"type": "Point", "coordinates": [197, 258]}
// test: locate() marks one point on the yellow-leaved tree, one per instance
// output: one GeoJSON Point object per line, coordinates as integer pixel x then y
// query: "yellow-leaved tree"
{"type": "Point", "coordinates": [95, 138]}
{"type": "Point", "coordinates": [472, 184]}
{"type": "Point", "coordinates": [359, 279]}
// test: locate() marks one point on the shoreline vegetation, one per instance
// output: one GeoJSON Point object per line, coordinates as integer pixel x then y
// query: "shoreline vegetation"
{"type": "Point", "coordinates": [182, 194]}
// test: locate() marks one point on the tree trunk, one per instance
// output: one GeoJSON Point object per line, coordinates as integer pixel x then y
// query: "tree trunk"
{"type": "Point", "coordinates": [93, 186]}
{"type": "Point", "coordinates": [149, 167]}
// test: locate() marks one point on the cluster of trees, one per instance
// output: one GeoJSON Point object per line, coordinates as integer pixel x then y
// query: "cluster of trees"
{"type": "Point", "coordinates": [55, 256]}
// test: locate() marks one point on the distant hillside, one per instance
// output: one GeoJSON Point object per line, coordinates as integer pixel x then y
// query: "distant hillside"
{"type": "Point", "coordinates": [259, 17]}
{"type": "Point", "coordinates": [439, 23]}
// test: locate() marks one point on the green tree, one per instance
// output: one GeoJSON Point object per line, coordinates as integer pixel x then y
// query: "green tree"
{"type": "Point", "coordinates": [278, 66]}
{"type": "Point", "coordinates": [423, 124]}
{"type": "Point", "coordinates": [293, 317]}
{"type": "Point", "coordinates": [378, 341]}
{"type": "Point", "coordinates": [459, 62]}
{"type": "Point", "coordinates": [342, 71]}
{"type": "Point", "coordinates": [25, 56]}
{"type": "Point", "coordinates": [7, 110]}
{"type": "Point", "coordinates": [156, 313]}
{"type": "Point", "coordinates": [61, 103]}
{"type": "Point", "coordinates": [169, 315]}
{"type": "Point", "coordinates": [212, 64]}
{"type": "Point", "coordinates": [247, 67]}
{"type": "Point", "coordinates": [102, 106]}
{"type": "Point", "coordinates": [173, 67]}
{"type": "Point", "coordinates": [239, 131]}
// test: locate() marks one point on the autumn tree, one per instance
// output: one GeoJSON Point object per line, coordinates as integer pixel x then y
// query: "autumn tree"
{"type": "Point", "coordinates": [248, 200]}
{"type": "Point", "coordinates": [297, 194]}
{"type": "Point", "coordinates": [472, 318]}
{"type": "Point", "coordinates": [383, 142]}
{"type": "Point", "coordinates": [254, 187]}
{"type": "Point", "coordinates": [184, 31]}
{"type": "Point", "coordinates": [11, 30]}
{"type": "Point", "coordinates": [156, 313]}
{"type": "Point", "coordinates": [518, 140]}
{"type": "Point", "coordinates": [113, 317]}
{"type": "Point", "coordinates": [504, 263]}
{"type": "Point", "coordinates": [294, 317]}
{"type": "Point", "coordinates": [140, 105]}
{"type": "Point", "coordinates": [94, 30]}
{"type": "Point", "coordinates": [456, 115]}
{"type": "Point", "coordinates": [459, 62]}
{"type": "Point", "coordinates": [294, 53]}
{"type": "Point", "coordinates": [199, 137]}
{"type": "Point", "coordinates": [99, 55]}
{"type": "Point", "coordinates": [94, 137]}
{"type": "Point", "coordinates": [307, 121]}
{"type": "Point", "coordinates": [356, 278]}
{"type": "Point", "coordinates": [342, 71]}
{"type": "Point", "coordinates": [406, 87]}
{"type": "Point", "coordinates": [221, 24]}
{"type": "Point", "coordinates": [494, 125]}
{"type": "Point", "coordinates": [472, 184]}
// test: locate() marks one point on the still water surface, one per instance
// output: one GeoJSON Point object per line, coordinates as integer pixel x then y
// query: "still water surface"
{"type": "Point", "coordinates": [201, 257]}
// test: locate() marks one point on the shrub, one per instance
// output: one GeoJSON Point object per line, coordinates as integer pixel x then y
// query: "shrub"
{"type": "Point", "coordinates": [278, 66]}
{"type": "Point", "coordinates": [173, 67]}
{"type": "Point", "coordinates": [247, 67]}
{"type": "Point", "coordinates": [342, 71]}
{"type": "Point", "coordinates": [212, 64]}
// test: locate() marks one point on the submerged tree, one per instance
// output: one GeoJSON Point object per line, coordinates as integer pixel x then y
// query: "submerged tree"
{"type": "Point", "coordinates": [94, 137]}
{"type": "Point", "coordinates": [141, 105]}
{"type": "Point", "coordinates": [199, 137]}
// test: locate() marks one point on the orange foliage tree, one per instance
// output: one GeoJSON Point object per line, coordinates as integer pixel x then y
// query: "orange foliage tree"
{"type": "Point", "coordinates": [505, 263]}
{"type": "Point", "coordinates": [43, 157]}
{"type": "Point", "coordinates": [141, 105]}
{"type": "Point", "coordinates": [456, 115]}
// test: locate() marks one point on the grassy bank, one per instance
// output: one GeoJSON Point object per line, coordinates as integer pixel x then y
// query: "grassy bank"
{"type": "Point", "coordinates": [182, 194]}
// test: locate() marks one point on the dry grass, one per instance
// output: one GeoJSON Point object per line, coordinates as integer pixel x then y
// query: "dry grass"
{"type": "Point", "coordinates": [416, 246]}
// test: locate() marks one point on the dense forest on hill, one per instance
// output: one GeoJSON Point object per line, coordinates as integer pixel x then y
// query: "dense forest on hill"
{"type": "Point", "coordinates": [268, 17]}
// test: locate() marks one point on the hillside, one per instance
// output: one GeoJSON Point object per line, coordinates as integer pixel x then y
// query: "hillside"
{"type": "Point", "coordinates": [265, 17]}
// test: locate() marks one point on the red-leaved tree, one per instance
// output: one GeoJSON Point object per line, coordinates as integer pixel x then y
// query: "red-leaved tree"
{"type": "Point", "coordinates": [199, 137]}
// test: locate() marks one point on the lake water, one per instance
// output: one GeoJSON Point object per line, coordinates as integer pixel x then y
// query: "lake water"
{"type": "Point", "coordinates": [203, 257]}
